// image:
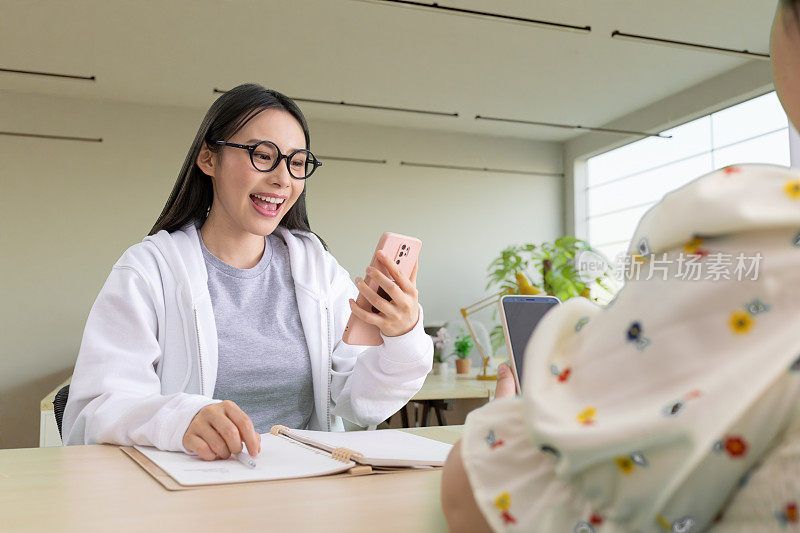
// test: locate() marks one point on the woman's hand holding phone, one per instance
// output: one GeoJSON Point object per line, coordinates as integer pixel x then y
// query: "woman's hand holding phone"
{"type": "Point", "coordinates": [218, 430]}
{"type": "Point", "coordinates": [398, 315]}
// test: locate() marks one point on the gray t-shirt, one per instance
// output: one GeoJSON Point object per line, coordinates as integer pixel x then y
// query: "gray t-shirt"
{"type": "Point", "coordinates": [264, 364]}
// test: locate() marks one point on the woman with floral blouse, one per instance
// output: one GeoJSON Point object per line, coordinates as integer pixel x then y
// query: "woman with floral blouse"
{"type": "Point", "coordinates": [681, 411]}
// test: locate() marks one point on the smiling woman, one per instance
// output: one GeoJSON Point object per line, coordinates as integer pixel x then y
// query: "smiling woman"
{"type": "Point", "coordinates": [193, 193]}
{"type": "Point", "coordinates": [228, 318]}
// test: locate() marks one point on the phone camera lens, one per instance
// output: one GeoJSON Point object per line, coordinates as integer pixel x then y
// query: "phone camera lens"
{"type": "Point", "coordinates": [403, 247]}
{"type": "Point", "coordinates": [401, 254]}
{"type": "Point", "coordinates": [398, 261]}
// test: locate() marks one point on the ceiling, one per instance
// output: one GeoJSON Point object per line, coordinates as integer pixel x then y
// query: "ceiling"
{"type": "Point", "coordinates": [176, 52]}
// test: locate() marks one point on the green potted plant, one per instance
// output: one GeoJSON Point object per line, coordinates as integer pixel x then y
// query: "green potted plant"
{"type": "Point", "coordinates": [565, 268]}
{"type": "Point", "coordinates": [463, 346]}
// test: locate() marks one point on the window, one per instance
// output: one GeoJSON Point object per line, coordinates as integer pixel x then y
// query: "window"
{"type": "Point", "coordinates": [624, 183]}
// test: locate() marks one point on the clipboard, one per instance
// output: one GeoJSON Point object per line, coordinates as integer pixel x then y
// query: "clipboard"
{"type": "Point", "coordinates": [170, 484]}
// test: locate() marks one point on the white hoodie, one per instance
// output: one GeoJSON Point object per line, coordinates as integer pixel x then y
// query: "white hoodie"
{"type": "Point", "coordinates": [148, 359]}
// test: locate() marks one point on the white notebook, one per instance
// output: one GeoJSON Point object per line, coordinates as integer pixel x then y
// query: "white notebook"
{"type": "Point", "coordinates": [302, 453]}
{"type": "Point", "coordinates": [384, 447]}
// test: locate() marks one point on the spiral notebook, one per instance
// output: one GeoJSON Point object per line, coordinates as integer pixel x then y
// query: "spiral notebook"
{"type": "Point", "coordinates": [290, 454]}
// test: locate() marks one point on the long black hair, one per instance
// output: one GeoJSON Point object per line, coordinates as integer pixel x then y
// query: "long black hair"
{"type": "Point", "coordinates": [193, 192]}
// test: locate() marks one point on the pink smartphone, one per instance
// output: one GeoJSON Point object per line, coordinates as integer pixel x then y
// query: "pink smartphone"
{"type": "Point", "coordinates": [404, 251]}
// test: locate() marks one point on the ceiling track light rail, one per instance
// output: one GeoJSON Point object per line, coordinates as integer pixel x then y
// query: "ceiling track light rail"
{"type": "Point", "coordinates": [51, 137]}
{"type": "Point", "coordinates": [48, 74]}
{"type": "Point", "coordinates": [573, 127]}
{"type": "Point", "coordinates": [747, 54]}
{"type": "Point", "coordinates": [452, 10]}
{"type": "Point", "coordinates": [352, 159]}
{"type": "Point", "coordinates": [482, 169]}
{"type": "Point", "coordinates": [364, 106]}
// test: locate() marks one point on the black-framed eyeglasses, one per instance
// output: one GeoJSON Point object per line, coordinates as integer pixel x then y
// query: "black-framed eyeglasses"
{"type": "Point", "coordinates": [266, 156]}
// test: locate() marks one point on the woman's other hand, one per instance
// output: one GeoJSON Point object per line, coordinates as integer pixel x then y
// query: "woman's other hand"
{"type": "Point", "coordinates": [218, 430]}
{"type": "Point", "coordinates": [395, 317]}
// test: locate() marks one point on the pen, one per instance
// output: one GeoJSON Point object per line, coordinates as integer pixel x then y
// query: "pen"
{"type": "Point", "coordinates": [244, 458]}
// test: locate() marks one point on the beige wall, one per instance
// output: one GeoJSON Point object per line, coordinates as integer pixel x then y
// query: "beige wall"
{"type": "Point", "coordinates": [69, 209]}
{"type": "Point", "coordinates": [464, 218]}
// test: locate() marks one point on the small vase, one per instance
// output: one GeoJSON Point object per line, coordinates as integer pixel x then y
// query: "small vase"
{"type": "Point", "coordinates": [439, 368]}
{"type": "Point", "coordinates": [462, 365]}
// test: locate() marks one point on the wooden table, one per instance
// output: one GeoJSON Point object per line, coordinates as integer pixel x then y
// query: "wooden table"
{"type": "Point", "coordinates": [438, 390]}
{"type": "Point", "coordinates": [451, 387]}
{"type": "Point", "coordinates": [99, 488]}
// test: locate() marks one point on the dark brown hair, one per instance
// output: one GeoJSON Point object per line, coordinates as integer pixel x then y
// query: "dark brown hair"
{"type": "Point", "coordinates": [193, 192]}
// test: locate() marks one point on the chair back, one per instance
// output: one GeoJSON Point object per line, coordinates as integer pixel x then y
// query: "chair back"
{"type": "Point", "coordinates": [59, 403]}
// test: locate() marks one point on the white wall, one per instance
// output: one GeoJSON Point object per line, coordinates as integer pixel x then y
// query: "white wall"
{"type": "Point", "coordinates": [794, 146]}
{"type": "Point", "coordinates": [69, 209]}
